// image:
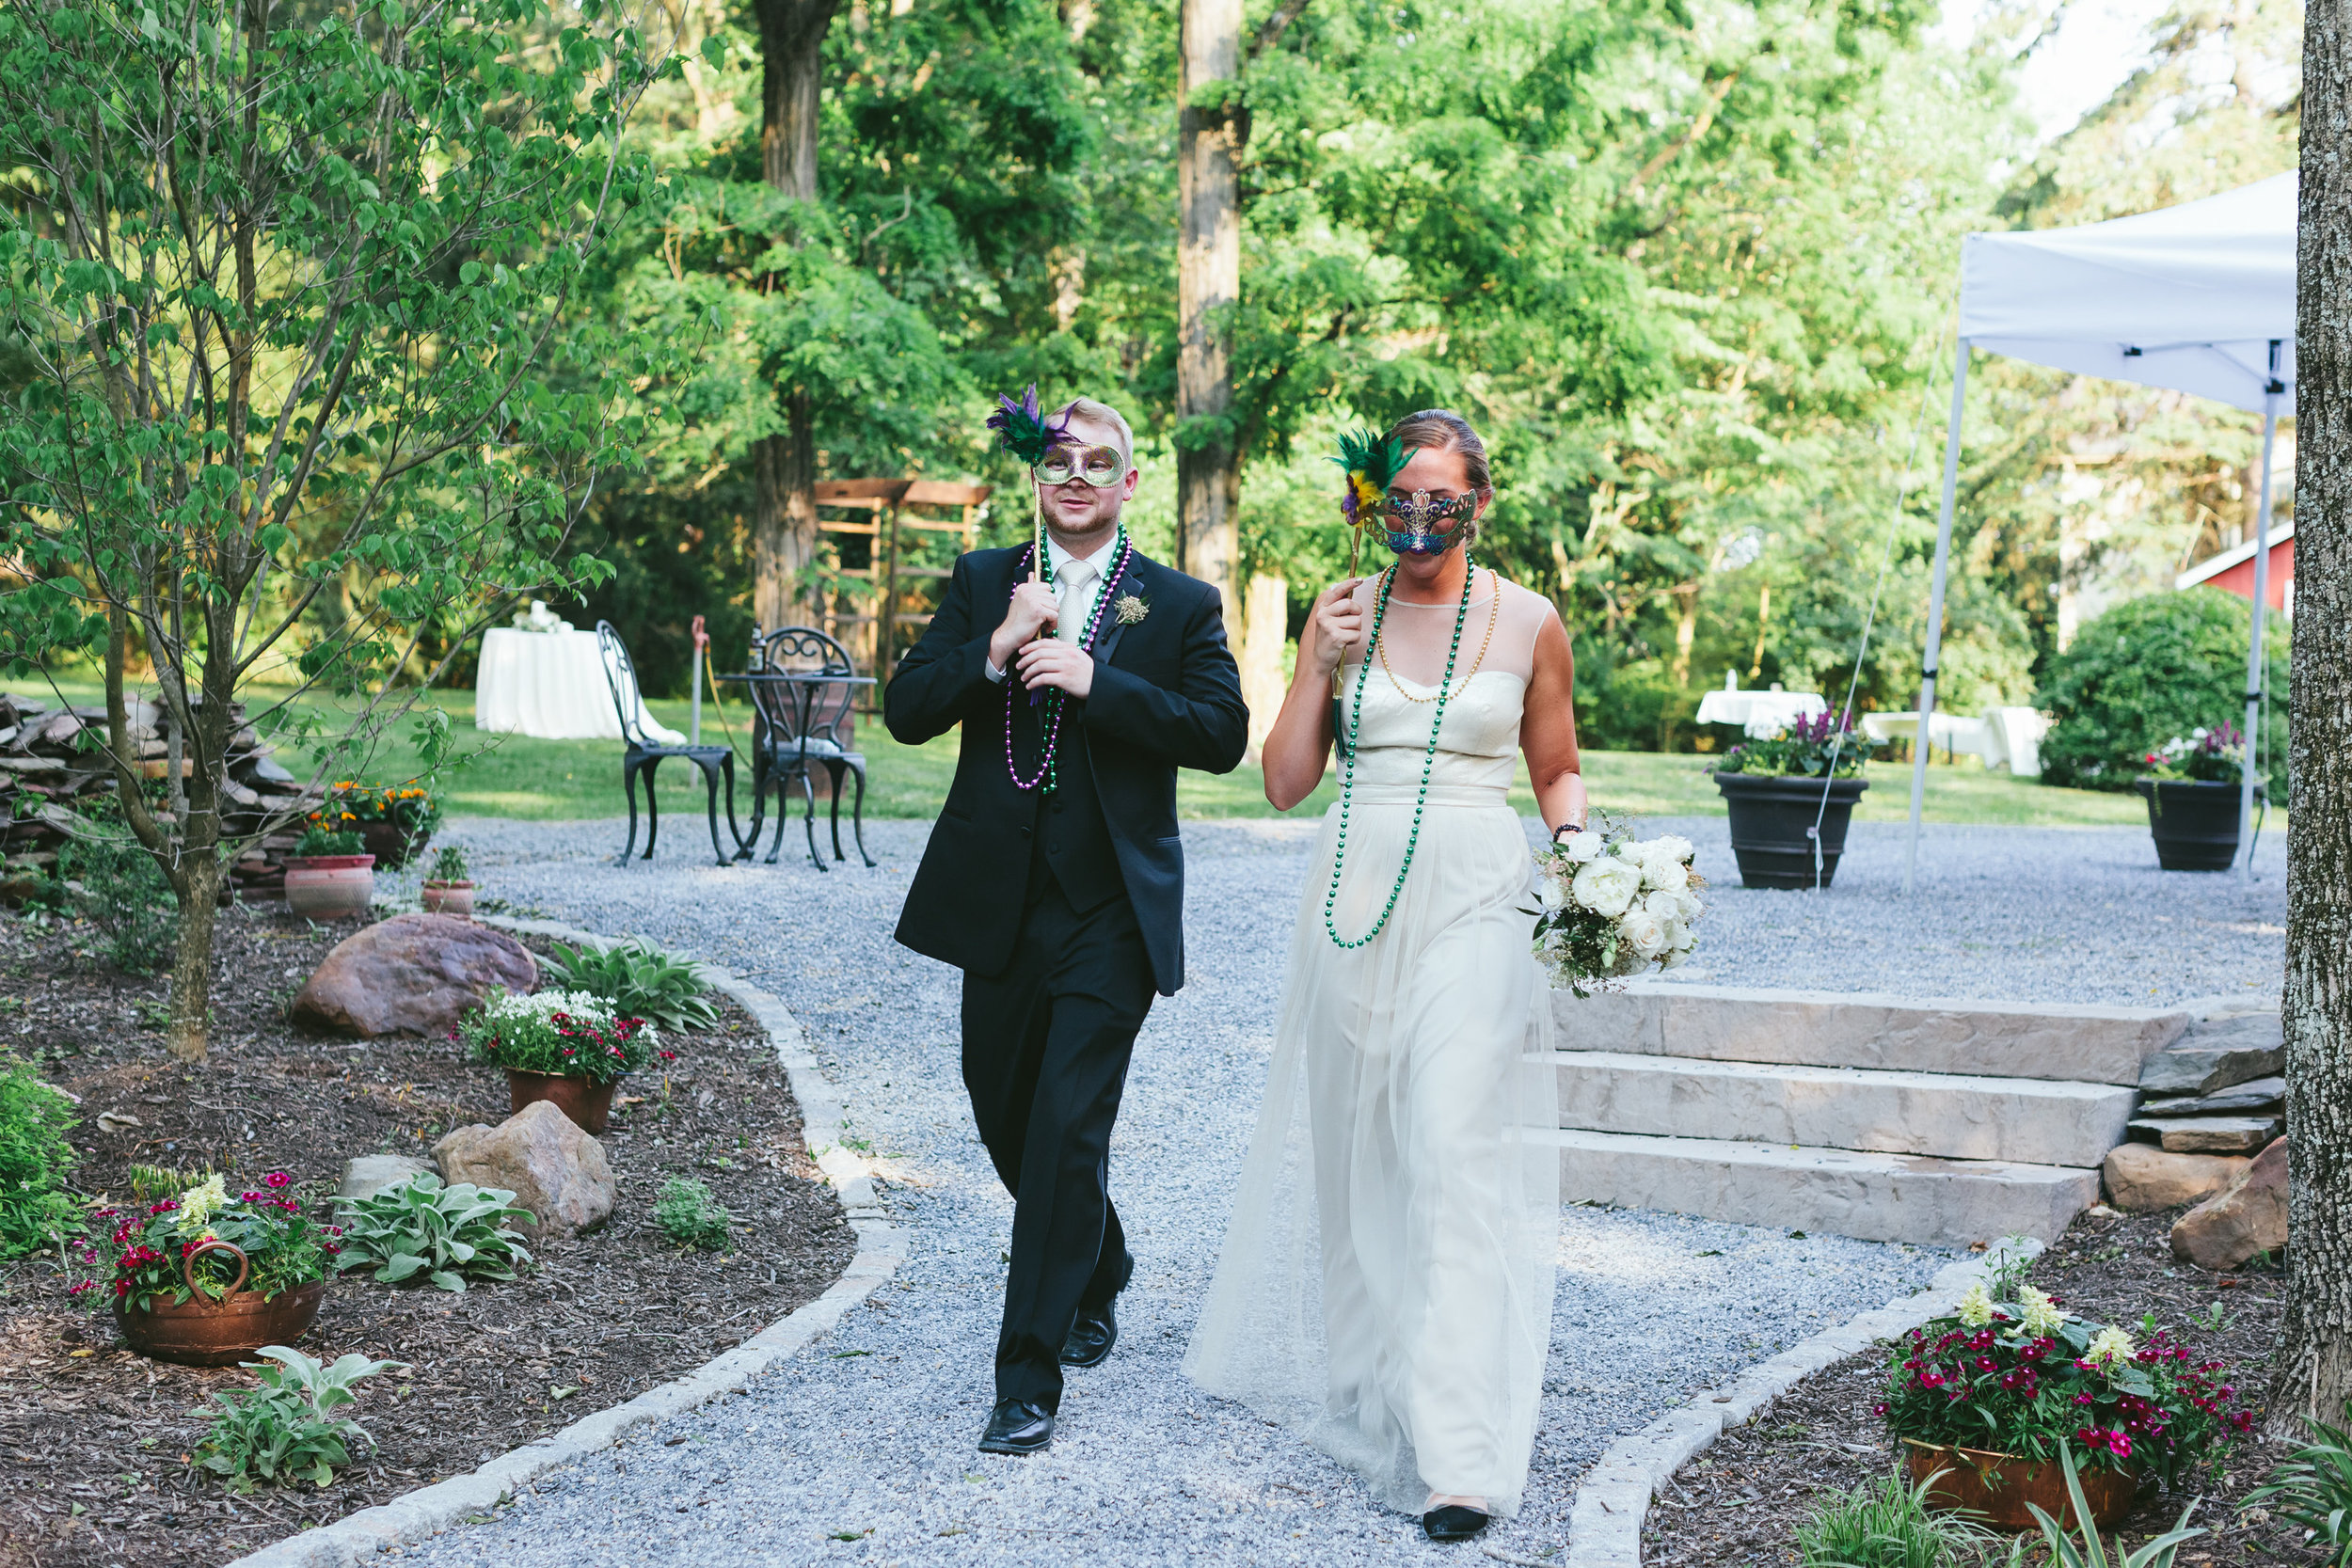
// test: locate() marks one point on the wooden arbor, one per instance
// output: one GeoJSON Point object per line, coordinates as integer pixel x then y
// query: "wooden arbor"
{"type": "Point", "coordinates": [893, 542]}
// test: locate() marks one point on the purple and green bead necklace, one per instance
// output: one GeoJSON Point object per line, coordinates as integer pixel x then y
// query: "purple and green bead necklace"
{"type": "Point", "coordinates": [1047, 776]}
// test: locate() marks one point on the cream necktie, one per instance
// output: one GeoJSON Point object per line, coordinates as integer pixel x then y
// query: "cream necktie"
{"type": "Point", "coordinates": [1074, 588]}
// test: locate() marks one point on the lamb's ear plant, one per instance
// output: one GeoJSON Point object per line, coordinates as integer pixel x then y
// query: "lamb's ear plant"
{"type": "Point", "coordinates": [2314, 1489]}
{"type": "Point", "coordinates": [1887, 1524]}
{"type": "Point", "coordinates": [448, 1234]}
{"type": "Point", "coordinates": [639, 979]}
{"type": "Point", "coordinates": [283, 1431]}
{"type": "Point", "coordinates": [2091, 1551]}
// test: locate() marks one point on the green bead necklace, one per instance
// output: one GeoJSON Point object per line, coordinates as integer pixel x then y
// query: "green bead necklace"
{"type": "Point", "coordinates": [1429, 761]}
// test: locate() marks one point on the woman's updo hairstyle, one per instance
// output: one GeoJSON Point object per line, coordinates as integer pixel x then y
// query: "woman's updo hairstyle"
{"type": "Point", "coordinates": [1443, 430]}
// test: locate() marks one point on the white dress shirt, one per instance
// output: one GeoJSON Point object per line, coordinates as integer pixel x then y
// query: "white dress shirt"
{"type": "Point", "coordinates": [1075, 578]}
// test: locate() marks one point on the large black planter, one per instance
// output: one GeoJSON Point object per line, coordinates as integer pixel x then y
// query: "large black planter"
{"type": "Point", "coordinates": [2193, 822]}
{"type": "Point", "coordinates": [1771, 826]}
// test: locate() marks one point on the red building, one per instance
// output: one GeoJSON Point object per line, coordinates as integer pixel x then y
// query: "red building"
{"type": "Point", "coordinates": [2233, 570]}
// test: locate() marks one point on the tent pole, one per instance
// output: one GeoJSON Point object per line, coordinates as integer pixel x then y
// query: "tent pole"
{"type": "Point", "coordinates": [1935, 610]}
{"type": "Point", "coordinates": [2254, 671]}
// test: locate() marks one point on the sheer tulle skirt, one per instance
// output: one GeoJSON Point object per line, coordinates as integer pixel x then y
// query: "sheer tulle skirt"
{"type": "Point", "coordinates": [1386, 1284]}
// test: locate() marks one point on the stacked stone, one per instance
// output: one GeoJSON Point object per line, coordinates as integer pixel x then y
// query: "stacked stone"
{"type": "Point", "coordinates": [53, 761]}
{"type": "Point", "coordinates": [2210, 1111]}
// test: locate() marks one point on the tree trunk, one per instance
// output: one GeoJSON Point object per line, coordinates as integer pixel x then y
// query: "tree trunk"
{"type": "Point", "coordinates": [1686, 631]}
{"type": "Point", "coordinates": [1208, 280]}
{"type": "Point", "coordinates": [1266, 630]}
{"type": "Point", "coordinates": [2313, 1364]}
{"type": "Point", "coordinates": [189, 1034]}
{"type": "Point", "coordinates": [783, 503]}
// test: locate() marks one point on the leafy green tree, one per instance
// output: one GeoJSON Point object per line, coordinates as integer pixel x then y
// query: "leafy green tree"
{"type": "Point", "coordinates": [277, 285]}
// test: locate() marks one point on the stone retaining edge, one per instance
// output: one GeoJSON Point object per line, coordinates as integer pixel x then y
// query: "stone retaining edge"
{"type": "Point", "coordinates": [882, 1246]}
{"type": "Point", "coordinates": [1612, 1501]}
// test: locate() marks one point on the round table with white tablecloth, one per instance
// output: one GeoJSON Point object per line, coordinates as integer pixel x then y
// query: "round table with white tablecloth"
{"type": "Point", "coordinates": [1760, 713]}
{"type": "Point", "coordinates": [550, 685]}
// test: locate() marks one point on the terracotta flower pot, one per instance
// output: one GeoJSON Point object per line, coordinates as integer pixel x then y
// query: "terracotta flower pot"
{"type": "Point", "coordinates": [448, 898]}
{"type": "Point", "coordinates": [588, 1104]}
{"type": "Point", "coordinates": [330, 887]}
{"type": "Point", "coordinates": [1997, 1487]}
{"type": "Point", "coordinates": [201, 1332]}
{"type": "Point", "coordinates": [391, 844]}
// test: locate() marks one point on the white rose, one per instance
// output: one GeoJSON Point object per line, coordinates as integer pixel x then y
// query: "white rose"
{"type": "Point", "coordinates": [1684, 939]}
{"type": "Point", "coordinates": [1549, 894]}
{"type": "Point", "coordinates": [1584, 846]}
{"type": "Point", "coordinates": [1665, 903]}
{"type": "Point", "coordinates": [1644, 933]}
{"type": "Point", "coordinates": [1607, 886]}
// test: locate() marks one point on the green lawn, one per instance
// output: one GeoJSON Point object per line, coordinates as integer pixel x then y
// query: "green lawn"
{"type": "Point", "coordinates": [569, 779]}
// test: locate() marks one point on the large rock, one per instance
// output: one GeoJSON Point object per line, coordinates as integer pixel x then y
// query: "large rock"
{"type": "Point", "coordinates": [2208, 1135]}
{"type": "Point", "coordinates": [371, 1174]}
{"type": "Point", "coordinates": [554, 1170]}
{"type": "Point", "coordinates": [2142, 1178]}
{"type": "Point", "coordinates": [2217, 1055]}
{"type": "Point", "coordinates": [2247, 1216]}
{"type": "Point", "coordinates": [419, 972]}
{"type": "Point", "coordinates": [2262, 1094]}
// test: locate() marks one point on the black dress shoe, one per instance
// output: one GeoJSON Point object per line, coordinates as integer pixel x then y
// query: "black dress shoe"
{"type": "Point", "coordinates": [1016, 1426]}
{"type": "Point", "coordinates": [1091, 1335]}
{"type": "Point", "coordinates": [1454, 1522]}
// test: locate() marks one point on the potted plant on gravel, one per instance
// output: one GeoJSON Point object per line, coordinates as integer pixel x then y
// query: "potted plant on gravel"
{"type": "Point", "coordinates": [206, 1277]}
{"type": "Point", "coordinates": [330, 875]}
{"type": "Point", "coordinates": [394, 822]}
{"type": "Point", "coordinates": [1774, 790]}
{"type": "Point", "coordinates": [564, 1046]}
{"type": "Point", "coordinates": [2191, 787]}
{"type": "Point", "coordinates": [446, 889]}
{"type": "Point", "coordinates": [1991, 1395]}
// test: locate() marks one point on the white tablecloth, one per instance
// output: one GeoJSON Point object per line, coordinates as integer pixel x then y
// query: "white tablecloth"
{"type": "Point", "coordinates": [2004, 737]}
{"type": "Point", "coordinates": [550, 685]}
{"type": "Point", "coordinates": [1761, 713]}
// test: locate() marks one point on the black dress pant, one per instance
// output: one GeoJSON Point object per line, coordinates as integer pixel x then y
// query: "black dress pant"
{"type": "Point", "coordinates": [1045, 1050]}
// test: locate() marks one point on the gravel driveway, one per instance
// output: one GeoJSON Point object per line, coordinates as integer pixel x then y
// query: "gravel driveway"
{"type": "Point", "coordinates": [860, 1449]}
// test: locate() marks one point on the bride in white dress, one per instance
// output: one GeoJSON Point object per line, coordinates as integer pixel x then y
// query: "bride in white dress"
{"type": "Point", "coordinates": [1386, 1283]}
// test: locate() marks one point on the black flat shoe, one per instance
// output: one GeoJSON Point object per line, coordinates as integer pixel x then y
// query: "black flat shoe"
{"type": "Point", "coordinates": [1454, 1522]}
{"type": "Point", "coordinates": [1018, 1427]}
{"type": "Point", "coordinates": [1091, 1335]}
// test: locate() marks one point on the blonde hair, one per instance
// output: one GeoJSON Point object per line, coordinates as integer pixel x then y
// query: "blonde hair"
{"type": "Point", "coordinates": [1102, 413]}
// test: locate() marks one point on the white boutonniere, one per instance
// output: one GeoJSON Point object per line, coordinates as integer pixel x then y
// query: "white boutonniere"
{"type": "Point", "coordinates": [1131, 609]}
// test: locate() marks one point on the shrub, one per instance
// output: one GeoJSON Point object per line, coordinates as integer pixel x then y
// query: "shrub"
{"type": "Point", "coordinates": [2032, 1379]}
{"type": "Point", "coordinates": [2151, 668]}
{"type": "Point", "coordinates": [284, 1247]}
{"type": "Point", "coordinates": [444, 1233]}
{"type": "Point", "coordinates": [689, 1215]}
{"type": "Point", "coordinates": [282, 1430]}
{"type": "Point", "coordinates": [640, 980]}
{"type": "Point", "coordinates": [36, 1210]}
{"type": "Point", "coordinates": [563, 1033]}
{"type": "Point", "coordinates": [119, 889]}
{"type": "Point", "coordinates": [2314, 1489]}
{"type": "Point", "coordinates": [1884, 1524]}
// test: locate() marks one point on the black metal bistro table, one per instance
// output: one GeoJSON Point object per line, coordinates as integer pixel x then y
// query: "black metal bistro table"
{"type": "Point", "coordinates": [795, 737]}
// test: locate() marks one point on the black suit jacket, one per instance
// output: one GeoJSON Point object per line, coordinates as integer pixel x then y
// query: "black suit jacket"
{"type": "Point", "coordinates": [1166, 696]}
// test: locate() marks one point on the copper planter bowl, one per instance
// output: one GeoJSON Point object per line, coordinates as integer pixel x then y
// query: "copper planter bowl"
{"type": "Point", "coordinates": [1997, 1488]}
{"type": "Point", "coordinates": [392, 845]}
{"type": "Point", "coordinates": [200, 1332]}
{"type": "Point", "coordinates": [589, 1105]}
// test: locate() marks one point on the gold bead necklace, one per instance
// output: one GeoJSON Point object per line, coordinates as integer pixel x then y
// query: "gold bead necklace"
{"type": "Point", "coordinates": [1494, 613]}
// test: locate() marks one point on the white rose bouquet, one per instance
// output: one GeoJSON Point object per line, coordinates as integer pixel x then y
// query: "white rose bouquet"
{"type": "Point", "coordinates": [1610, 906]}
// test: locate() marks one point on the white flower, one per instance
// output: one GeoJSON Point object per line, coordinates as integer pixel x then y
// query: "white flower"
{"type": "Point", "coordinates": [2108, 1346]}
{"type": "Point", "coordinates": [1684, 939]}
{"type": "Point", "coordinates": [1665, 903]}
{"type": "Point", "coordinates": [1644, 933]}
{"type": "Point", "coordinates": [1607, 886]}
{"type": "Point", "coordinates": [1549, 894]}
{"type": "Point", "coordinates": [1976, 1307]}
{"type": "Point", "coordinates": [2041, 1315]}
{"type": "Point", "coordinates": [1584, 846]}
{"type": "Point", "coordinates": [200, 1204]}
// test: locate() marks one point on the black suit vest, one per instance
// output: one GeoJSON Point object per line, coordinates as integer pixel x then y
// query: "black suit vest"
{"type": "Point", "coordinates": [1069, 837]}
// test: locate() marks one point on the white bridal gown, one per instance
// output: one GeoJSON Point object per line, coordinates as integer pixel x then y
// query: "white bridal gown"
{"type": "Point", "coordinates": [1385, 1284]}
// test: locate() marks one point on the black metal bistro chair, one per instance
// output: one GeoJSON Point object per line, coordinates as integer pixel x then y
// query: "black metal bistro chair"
{"type": "Point", "coordinates": [802, 685]}
{"type": "Point", "coordinates": [643, 754]}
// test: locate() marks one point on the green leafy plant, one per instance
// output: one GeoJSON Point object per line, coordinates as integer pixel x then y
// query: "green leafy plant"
{"type": "Point", "coordinates": [449, 864]}
{"type": "Point", "coordinates": [1811, 748]}
{"type": "Point", "coordinates": [157, 1244]}
{"type": "Point", "coordinates": [318, 839]}
{"type": "Point", "coordinates": [2089, 1551]}
{"type": "Point", "coordinates": [1886, 1524]}
{"type": "Point", "coordinates": [36, 1210]}
{"type": "Point", "coordinates": [2314, 1489]}
{"type": "Point", "coordinates": [447, 1234]}
{"type": "Point", "coordinates": [114, 885]}
{"type": "Point", "coordinates": [413, 808]}
{"type": "Point", "coordinates": [153, 1183]}
{"type": "Point", "coordinates": [561, 1033]}
{"type": "Point", "coordinates": [284, 1430]}
{"type": "Point", "coordinates": [689, 1215]}
{"type": "Point", "coordinates": [2217, 755]}
{"type": "Point", "coordinates": [639, 979]}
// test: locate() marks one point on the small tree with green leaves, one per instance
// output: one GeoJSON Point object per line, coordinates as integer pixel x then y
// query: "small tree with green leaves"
{"type": "Point", "coordinates": [277, 290]}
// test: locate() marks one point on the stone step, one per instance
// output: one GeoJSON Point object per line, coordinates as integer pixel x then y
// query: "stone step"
{"type": "Point", "coordinates": [1861, 1029]}
{"type": "Point", "coordinates": [1949, 1116]}
{"type": "Point", "coordinates": [1878, 1197]}
{"type": "Point", "coordinates": [2217, 1055]}
{"type": "Point", "coordinates": [2209, 1134]}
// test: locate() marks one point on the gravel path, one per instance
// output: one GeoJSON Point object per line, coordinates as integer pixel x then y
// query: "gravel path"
{"type": "Point", "coordinates": [862, 1450]}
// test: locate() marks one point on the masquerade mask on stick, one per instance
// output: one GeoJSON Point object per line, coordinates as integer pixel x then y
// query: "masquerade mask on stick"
{"type": "Point", "coordinates": [1024, 430]}
{"type": "Point", "coordinates": [1371, 461]}
{"type": "Point", "coordinates": [1425, 524]}
{"type": "Point", "coordinates": [1098, 466]}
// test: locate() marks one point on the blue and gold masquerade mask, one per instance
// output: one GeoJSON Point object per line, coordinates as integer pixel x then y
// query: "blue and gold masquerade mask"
{"type": "Point", "coordinates": [1421, 523]}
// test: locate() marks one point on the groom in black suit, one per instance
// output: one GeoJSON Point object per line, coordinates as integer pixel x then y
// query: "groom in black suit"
{"type": "Point", "coordinates": [1059, 890]}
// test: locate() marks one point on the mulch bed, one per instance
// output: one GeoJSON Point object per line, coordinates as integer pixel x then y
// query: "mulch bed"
{"type": "Point", "coordinates": [1741, 1502]}
{"type": "Point", "coordinates": [94, 1439]}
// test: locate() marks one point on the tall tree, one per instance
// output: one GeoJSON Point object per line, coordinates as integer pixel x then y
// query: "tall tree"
{"type": "Point", "coordinates": [1208, 283]}
{"type": "Point", "coordinates": [2313, 1367]}
{"type": "Point", "coordinates": [784, 507]}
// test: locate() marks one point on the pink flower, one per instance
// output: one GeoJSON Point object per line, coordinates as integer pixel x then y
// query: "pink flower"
{"type": "Point", "coordinates": [278, 1179]}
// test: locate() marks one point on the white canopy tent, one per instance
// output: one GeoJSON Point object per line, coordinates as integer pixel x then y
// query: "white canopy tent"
{"type": "Point", "coordinates": [2199, 298]}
